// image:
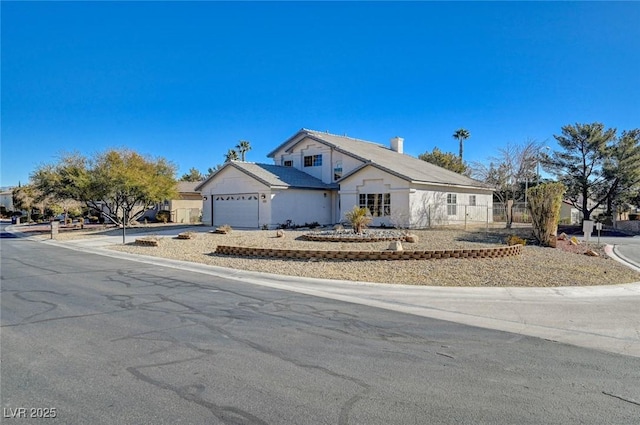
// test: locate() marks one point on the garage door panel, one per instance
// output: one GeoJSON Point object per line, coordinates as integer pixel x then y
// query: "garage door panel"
{"type": "Point", "coordinates": [239, 210]}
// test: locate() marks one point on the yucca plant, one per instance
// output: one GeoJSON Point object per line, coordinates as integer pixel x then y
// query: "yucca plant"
{"type": "Point", "coordinates": [359, 218]}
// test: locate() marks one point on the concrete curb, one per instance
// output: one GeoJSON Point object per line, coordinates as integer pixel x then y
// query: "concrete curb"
{"type": "Point", "coordinates": [598, 317]}
{"type": "Point", "coordinates": [610, 250]}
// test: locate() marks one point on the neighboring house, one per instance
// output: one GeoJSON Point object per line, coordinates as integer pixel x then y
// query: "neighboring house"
{"type": "Point", "coordinates": [571, 215]}
{"type": "Point", "coordinates": [318, 177]}
{"type": "Point", "coordinates": [6, 199]}
{"type": "Point", "coordinates": [186, 208]}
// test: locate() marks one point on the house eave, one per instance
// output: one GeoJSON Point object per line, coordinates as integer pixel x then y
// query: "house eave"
{"type": "Point", "coordinates": [461, 186]}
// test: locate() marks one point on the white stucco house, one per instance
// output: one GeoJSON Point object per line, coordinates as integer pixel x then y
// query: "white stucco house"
{"type": "Point", "coordinates": [318, 176]}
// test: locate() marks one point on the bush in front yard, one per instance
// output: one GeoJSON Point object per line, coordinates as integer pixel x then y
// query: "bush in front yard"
{"type": "Point", "coordinates": [545, 201]}
{"type": "Point", "coordinates": [163, 216]}
{"type": "Point", "coordinates": [359, 218]}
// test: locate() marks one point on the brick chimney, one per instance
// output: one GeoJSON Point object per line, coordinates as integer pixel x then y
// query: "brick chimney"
{"type": "Point", "coordinates": [396, 144]}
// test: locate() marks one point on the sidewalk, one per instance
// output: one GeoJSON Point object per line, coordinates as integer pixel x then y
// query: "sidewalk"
{"type": "Point", "coordinates": [605, 318]}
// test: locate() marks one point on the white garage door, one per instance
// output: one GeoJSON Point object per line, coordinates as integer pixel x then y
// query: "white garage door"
{"type": "Point", "coordinates": [236, 210]}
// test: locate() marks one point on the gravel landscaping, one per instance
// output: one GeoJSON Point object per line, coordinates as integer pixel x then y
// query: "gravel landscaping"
{"type": "Point", "coordinates": [537, 266]}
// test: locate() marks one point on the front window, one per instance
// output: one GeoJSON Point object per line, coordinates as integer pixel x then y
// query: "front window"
{"type": "Point", "coordinates": [452, 204]}
{"type": "Point", "coordinates": [288, 163]}
{"type": "Point", "coordinates": [337, 171]}
{"type": "Point", "coordinates": [378, 204]}
{"type": "Point", "coordinates": [472, 200]}
{"type": "Point", "coordinates": [313, 161]}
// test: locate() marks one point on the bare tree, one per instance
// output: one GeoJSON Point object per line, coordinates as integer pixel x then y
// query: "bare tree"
{"type": "Point", "coordinates": [510, 172]}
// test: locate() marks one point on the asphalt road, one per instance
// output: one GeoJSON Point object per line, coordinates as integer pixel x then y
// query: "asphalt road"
{"type": "Point", "coordinates": [108, 341]}
{"type": "Point", "coordinates": [627, 248]}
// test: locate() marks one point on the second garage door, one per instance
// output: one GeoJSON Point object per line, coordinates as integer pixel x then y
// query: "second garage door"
{"type": "Point", "coordinates": [240, 210]}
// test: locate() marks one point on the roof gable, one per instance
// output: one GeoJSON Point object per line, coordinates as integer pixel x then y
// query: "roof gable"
{"type": "Point", "coordinates": [404, 166]}
{"type": "Point", "coordinates": [274, 176]}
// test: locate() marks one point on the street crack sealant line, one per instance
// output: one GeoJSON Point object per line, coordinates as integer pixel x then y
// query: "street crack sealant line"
{"type": "Point", "coordinates": [343, 291]}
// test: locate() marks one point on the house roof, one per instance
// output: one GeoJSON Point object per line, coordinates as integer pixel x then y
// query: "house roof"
{"type": "Point", "coordinates": [373, 154]}
{"type": "Point", "coordinates": [275, 176]}
{"type": "Point", "coordinates": [187, 187]}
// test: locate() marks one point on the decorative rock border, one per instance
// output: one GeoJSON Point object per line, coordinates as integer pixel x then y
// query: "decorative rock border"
{"type": "Point", "coordinates": [147, 241]}
{"type": "Point", "coordinates": [498, 252]}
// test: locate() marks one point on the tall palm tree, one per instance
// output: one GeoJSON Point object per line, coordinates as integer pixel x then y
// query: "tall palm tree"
{"type": "Point", "coordinates": [461, 135]}
{"type": "Point", "coordinates": [231, 155]}
{"type": "Point", "coordinates": [242, 147]}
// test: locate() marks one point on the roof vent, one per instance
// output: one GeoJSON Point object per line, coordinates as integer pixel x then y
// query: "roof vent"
{"type": "Point", "coordinates": [396, 144]}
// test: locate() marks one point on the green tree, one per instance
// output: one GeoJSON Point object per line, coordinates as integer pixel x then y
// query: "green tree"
{"type": "Point", "coordinates": [621, 169]}
{"type": "Point", "coordinates": [446, 160]}
{"type": "Point", "coordinates": [58, 184]}
{"type": "Point", "coordinates": [242, 148]}
{"type": "Point", "coordinates": [192, 176]}
{"type": "Point", "coordinates": [121, 183]}
{"type": "Point", "coordinates": [231, 155]}
{"type": "Point", "coordinates": [579, 164]}
{"type": "Point", "coordinates": [461, 135]}
{"type": "Point", "coordinates": [25, 198]}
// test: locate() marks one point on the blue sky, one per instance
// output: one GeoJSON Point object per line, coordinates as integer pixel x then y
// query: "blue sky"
{"type": "Point", "coordinates": [188, 80]}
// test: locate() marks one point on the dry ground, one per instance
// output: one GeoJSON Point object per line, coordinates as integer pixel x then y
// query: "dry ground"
{"type": "Point", "coordinates": [537, 266]}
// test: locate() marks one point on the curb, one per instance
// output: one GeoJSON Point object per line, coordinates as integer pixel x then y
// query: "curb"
{"type": "Point", "coordinates": [610, 250]}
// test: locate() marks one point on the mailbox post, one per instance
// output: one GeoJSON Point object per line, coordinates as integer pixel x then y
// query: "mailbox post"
{"type": "Point", "coordinates": [54, 228]}
{"type": "Point", "coordinates": [598, 228]}
{"type": "Point", "coordinates": [587, 228]}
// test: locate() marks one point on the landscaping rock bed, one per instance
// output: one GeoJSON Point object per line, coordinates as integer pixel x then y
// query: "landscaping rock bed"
{"type": "Point", "coordinates": [350, 236]}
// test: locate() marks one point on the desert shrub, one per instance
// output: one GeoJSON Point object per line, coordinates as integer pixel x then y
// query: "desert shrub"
{"type": "Point", "coordinates": [225, 228]}
{"type": "Point", "coordinates": [359, 218]}
{"type": "Point", "coordinates": [286, 225]}
{"type": "Point", "coordinates": [545, 201]}
{"type": "Point", "coordinates": [515, 240]}
{"type": "Point", "coordinates": [93, 219]}
{"type": "Point", "coordinates": [164, 216]}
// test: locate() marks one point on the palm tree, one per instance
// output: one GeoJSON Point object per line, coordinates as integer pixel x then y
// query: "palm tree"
{"type": "Point", "coordinates": [461, 135]}
{"type": "Point", "coordinates": [231, 155]}
{"type": "Point", "coordinates": [242, 147]}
